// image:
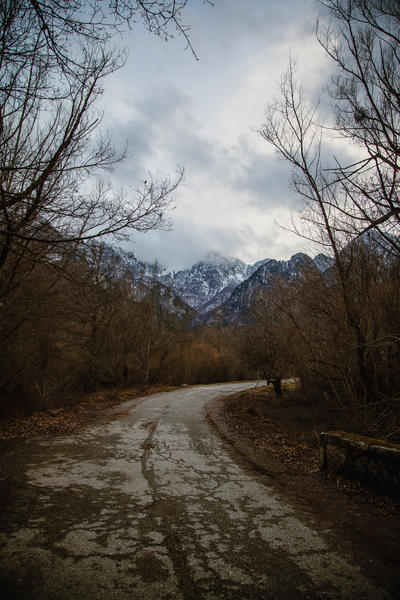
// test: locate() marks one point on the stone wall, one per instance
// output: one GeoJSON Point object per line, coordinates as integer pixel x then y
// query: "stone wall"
{"type": "Point", "coordinates": [373, 462]}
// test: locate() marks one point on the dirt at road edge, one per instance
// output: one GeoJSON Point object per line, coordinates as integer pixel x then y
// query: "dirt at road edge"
{"type": "Point", "coordinates": [363, 524]}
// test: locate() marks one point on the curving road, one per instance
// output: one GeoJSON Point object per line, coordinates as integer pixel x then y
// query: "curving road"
{"type": "Point", "coordinates": [150, 504]}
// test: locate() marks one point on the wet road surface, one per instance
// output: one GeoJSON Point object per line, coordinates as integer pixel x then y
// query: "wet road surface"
{"type": "Point", "coordinates": [150, 504]}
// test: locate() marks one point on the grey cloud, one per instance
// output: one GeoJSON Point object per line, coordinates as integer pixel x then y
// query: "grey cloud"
{"type": "Point", "coordinates": [236, 29]}
{"type": "Point", "coordinates": [172, 125]}
{"type": "Point", "coordinates": [185, 245]}
{"type": "Point", "coordinates": [134, 135]}
{"type": "Point", "coordinates": [163, 121]}
{"type": "Point", "coordinates": [168, 99]}
{"type": "Point", "coordinates": [188, 243]}
{"type": "Point", "coordinates": [163, 104]}
{"type": "Point", "coordinates": [264, 177]}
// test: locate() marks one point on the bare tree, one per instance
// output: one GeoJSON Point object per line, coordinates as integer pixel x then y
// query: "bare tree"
{"type": "Point", "coordinates": [54, 57]}
{"type": "Point", "coordinates": [345, 202]}
{"type": "Point", "coordinates": [291, 128]}
{"type": "Point", "coordinates": [363, 40]}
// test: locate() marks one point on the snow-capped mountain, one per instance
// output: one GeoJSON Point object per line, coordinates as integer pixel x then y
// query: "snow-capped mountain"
{"type": "Point", "coordinates": [218, 281]}
{"type": "Point", "coordinates": [213, 277]}
{"type": "Point", "coordinates": [262, 278]}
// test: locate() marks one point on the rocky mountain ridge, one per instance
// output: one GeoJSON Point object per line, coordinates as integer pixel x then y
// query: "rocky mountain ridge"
{"type": "Point", "coordinates": [212, 277]}
{"type": "Point", "coordinates": [217, 280]}
{"type": "Point", "coordinates": [245, 293]}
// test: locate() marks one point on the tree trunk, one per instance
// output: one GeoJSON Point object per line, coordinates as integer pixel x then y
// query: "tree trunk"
{"type": "Point", "coordinates": [277, 383]}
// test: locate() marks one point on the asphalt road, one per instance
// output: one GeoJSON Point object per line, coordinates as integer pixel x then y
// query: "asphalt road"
{"type": "Point", "coordinates": [151, 504]}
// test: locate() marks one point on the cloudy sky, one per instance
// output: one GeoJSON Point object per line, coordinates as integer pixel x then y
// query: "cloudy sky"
{"type": "Point", "coordinates": [203, 115]}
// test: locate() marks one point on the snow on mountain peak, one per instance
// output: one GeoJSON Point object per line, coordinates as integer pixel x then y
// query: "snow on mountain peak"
{"type": "Point", "coordinates": [213, 279]}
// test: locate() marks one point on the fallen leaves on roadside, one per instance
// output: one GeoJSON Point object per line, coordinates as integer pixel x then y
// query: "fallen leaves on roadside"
{"type": "Point", "coordinates": [67, 420]}
{"type": "Point", "coordinates": [295, 449]}
{"type": "Point", "coordinates": [268, 436]}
